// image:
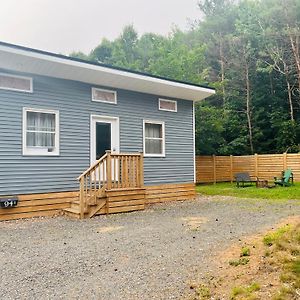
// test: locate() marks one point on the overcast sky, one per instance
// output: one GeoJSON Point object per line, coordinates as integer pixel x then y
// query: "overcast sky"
{"type": "Point", "coordinates": [65, 25]}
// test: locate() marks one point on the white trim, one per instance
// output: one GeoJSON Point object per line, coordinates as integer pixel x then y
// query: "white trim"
{"type": "Point", "coordinates": [167, 100]}
{"type": "Point", "coordinates": [104, 90]}
{"type": "Point", "coordinates": [194, 143]}
{"type": "Point", "coordinates": [60, 67]}
{"type": "Point", "coordinates": [21, 77]}
{"type": "Point", "coordinates": [163, 154]}
{"type": "Point", "coordinates": [40, 151]}
{"type": "Point", "coordinates": [115, 134]}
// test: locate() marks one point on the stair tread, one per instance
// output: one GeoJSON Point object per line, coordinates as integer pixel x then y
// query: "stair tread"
{"type": "Point", "coordinates": [72, 210]}
{"type": "Point", "coordinates": [98, 199]}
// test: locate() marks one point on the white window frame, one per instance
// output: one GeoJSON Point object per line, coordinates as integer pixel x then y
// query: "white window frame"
{"type": "Point", "coordinates": [40, 151]}
{"type": "Point", "coordinates": [163, 154]}
{"type": "Point", "coordinates": [167, 100]}
{"type": "Point", "coordinates": [18, 90]}
{"type": "Point", "coordinates": [104, 90]}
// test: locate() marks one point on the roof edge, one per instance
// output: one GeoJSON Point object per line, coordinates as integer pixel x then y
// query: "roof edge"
{"type": "Point", "coordinates": [61, 56]}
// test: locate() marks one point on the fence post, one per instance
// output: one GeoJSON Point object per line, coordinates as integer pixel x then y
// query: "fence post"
{"type": "Point", "coordinates": [256, 165]}
{"type": "Point", "coordinates": [231, 168]}
{"type": "Point", "coordinates": [284, 160]}
{"type": "Point", "coordinates": [214, 166]}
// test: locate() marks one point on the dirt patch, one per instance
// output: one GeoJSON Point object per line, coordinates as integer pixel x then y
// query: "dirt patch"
{"type": "Point", "coordinates": [194, 223]}
{"type": "Point", "coordinates": [244, 264]}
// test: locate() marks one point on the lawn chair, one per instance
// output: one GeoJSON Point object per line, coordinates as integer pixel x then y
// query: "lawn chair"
{"type": "Point", "coordinates": [244, 179]}
{"type": "Point", "coordinates": [286, 179]}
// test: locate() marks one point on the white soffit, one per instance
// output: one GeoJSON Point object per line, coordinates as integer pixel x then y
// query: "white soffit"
{"type": "Point", "coordinates": [23, 60]}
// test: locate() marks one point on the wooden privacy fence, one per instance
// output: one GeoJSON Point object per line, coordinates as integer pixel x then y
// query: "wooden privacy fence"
{"type": "Point", "coordinates": [264, 166]}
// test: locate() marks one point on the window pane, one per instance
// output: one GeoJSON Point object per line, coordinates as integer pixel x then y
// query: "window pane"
{"type": "Point", "coordinates": [40, 139]}
{"type": "Point", "coordinates": [153, 146]}
{"type": "Point", "coordinates": [102, 95]}
{"type": "Point", "coordinates": [17, 83]}
{"type": "Point", "coordinates": [40, 121]}
{"type": "Point", "coordinates": [153, 130]}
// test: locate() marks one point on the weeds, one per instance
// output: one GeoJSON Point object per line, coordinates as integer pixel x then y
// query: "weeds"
{"type": "Point", "coordinates": [273, 237]}
{"type": "Point", "coordinates": [245, 292]}
{"type": "Point", "coordinates": [285, 250]}
{"type": "Point", "coordinates": [203, 292]}
{"type": "Point", "coordinates": [245, 252]}
{"type": "Point", "coordinates": [239, 262]}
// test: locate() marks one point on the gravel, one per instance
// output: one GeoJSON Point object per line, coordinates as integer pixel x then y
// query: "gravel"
{"type": "Point", "coordinates": [153, 254]}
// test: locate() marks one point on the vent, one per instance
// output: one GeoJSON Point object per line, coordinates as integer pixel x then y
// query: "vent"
{"type": "Point", "coordinates": [168, 105]}
{"type": "Point", "coordinates": [104, 95]}
{"type": "Point", "coordinates": [15, 83]}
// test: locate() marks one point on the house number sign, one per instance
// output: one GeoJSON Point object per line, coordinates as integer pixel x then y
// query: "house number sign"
{"type": "Point", "coordinates": [7, 202]}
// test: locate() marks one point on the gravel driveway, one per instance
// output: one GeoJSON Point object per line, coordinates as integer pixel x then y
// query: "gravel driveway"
{"type": "Point", "coordinates": [153, 254]}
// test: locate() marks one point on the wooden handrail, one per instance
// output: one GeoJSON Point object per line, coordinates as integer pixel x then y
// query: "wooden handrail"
{"type": "Point", "coordinates": [92, 166]}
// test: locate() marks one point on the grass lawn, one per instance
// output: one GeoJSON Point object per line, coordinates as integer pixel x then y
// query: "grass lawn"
{"type": "Point", "coordinates": [230, 189]}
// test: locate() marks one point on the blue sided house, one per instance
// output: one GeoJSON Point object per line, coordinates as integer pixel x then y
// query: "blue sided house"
{"type": "Point", "coordinates": [85, 138]}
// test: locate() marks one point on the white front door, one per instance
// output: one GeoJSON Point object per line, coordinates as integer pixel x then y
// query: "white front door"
{"type": "Point", "coordinates": [104, 136]}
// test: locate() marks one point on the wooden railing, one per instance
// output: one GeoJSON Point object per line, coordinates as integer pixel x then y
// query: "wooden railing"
{"type": "Point", "coordinates": [111, 171]}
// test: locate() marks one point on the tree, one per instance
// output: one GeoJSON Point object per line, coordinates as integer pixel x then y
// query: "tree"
{"type": "Point", "coordinates": [249, 50]}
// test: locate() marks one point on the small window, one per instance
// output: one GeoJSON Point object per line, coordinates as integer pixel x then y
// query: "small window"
{"type": "Point", "coordinates": [40, 132]}
{"type": "Point", "coordinates": [15, 83]}
{"type": "Point", "coordinates": [154, 138]}
{"type": "Point", "coordinates": [168, 105]}
{"type": "Point", "coordinates": [104, 95]}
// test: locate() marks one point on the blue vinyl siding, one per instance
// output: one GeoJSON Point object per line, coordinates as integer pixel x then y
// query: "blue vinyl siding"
{"type": "Point", "coordinates": [37, 174]}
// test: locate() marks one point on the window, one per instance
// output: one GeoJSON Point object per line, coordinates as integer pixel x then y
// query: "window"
{"type": "Point", "coordinates": [154, 138]}
{"type": "Point", "coordinates": [168, 105]}
{"type": "Point", "coordinates": [101, 95]}
{"type": "Point", "coordinates": [15, 83]}
{"type": "Point", "coordinates": [40, 132]}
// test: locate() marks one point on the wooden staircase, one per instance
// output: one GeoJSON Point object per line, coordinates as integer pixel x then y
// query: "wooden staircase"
{"type": "Point", "coordinates": [114, 183]}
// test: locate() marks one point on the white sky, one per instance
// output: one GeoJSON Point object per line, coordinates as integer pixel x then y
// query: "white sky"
{"type": "Point", "coordinates": [65, 25]}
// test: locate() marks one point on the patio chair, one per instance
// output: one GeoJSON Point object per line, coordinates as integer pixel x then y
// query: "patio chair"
{"type": "Point", "coordinates": [286, 179]}
{"type": "Point", "coordinates": [244, 179]}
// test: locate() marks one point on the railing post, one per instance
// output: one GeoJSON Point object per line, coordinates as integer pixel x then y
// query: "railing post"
{"type": "Point", "coordinates": [81, 197]}
{"type": "Point", "coordinates": [141, 169]}
{"type": "Point", "coordinates": [108, 170]}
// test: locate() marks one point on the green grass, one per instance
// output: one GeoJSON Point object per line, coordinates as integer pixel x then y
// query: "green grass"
{"type": "Point", "coordinates": [230, 189]}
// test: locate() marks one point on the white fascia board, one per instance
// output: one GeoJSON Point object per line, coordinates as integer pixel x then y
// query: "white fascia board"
{"type": "Point", "coordinates": [90, 73]}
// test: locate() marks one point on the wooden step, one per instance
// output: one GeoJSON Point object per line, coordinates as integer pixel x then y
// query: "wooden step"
{"type": "Point", "coordinates": [75, 206]}
{"type": "Point", "coordinates": [72, 212]}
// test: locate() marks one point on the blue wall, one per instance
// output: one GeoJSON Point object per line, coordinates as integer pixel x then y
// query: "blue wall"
{"type": "Point", "coordinates": [28, 174]}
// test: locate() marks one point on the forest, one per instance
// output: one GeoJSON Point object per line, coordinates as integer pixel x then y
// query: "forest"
{"type": "Point", "coordinates": [249, 51]}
